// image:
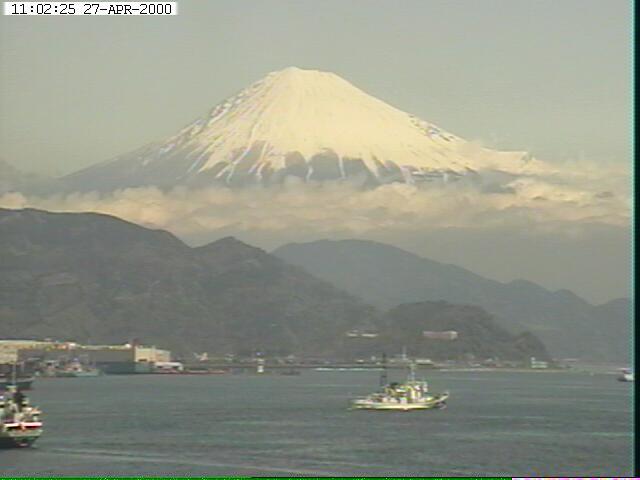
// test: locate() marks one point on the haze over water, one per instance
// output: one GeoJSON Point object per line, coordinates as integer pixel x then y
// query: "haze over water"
{"type": "Point", "coordinates": [497, 423]}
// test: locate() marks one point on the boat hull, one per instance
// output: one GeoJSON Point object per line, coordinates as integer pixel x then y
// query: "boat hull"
{"type": "Point", "coordinates": [78, 374]}
{"type": "Point", "coordinates": [23, 441]}
{"type": "Point", "coordinates": [439, 402]}
{"type": "Point", "coordinates": [401, 408]}
{"type": "Point", "coordinates": [19, 438]}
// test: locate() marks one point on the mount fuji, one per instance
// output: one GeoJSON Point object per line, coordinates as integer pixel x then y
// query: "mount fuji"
{"type": "Point", "coordinates": [304, 126]}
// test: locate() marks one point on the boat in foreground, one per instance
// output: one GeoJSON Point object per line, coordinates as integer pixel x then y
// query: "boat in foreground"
{"type": "Point", "coordinates": [20, 424]}
{"type": "Point", "coordinates": [410, 395]}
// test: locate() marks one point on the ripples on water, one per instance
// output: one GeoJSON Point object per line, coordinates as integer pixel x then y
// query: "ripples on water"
{"type": "Point", "coordinates": [502, 424]}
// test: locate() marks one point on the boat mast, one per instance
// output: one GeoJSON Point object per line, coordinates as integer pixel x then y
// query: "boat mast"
{"type": "Point", "coordinates": [383, 375]}
{"type": "Point", "coordinates": [412, 372]}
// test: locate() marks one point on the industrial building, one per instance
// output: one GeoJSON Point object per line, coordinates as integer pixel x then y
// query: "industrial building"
{"type": "Point", "coordinates": [9, 348]}
{"type": "Point", "coordinates": [127, 358]}
{"type": "Point", "coordinates": [445, 335]}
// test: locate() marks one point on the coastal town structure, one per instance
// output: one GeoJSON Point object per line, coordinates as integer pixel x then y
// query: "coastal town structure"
{"type": "Point", "coordinates": [125, 358]}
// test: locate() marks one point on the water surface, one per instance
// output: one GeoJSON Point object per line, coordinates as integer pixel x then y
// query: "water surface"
{"type": "Point", "coordinates": [496, 423]}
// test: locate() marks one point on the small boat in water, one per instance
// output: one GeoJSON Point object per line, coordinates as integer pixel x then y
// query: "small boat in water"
{"type": "Point", "coordinates": [20, 423]}
{"type": "Point", "coordinates": [93, 372]}
{"type": "Point", "coordinates": [410, 395]}
{"type": "Point", "coordinates": [76, 369]}
{"type": "Point", "coordinates": [626, 375]}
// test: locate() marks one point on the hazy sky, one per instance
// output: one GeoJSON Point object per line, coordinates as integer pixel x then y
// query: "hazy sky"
{"type": "Point", "coordinates": [552, 77]}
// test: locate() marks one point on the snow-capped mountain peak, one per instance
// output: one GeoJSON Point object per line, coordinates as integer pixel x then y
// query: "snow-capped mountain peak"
{"type": "Point", "coordinates": [307, 124]}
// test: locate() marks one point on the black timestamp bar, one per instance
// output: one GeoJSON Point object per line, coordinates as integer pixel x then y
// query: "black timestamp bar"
{"type": "Point", "coordinates": [85, 8]}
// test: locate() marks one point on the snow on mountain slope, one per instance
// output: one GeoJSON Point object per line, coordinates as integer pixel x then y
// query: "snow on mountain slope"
{"type": "Point", "coordinates": [307, 124]}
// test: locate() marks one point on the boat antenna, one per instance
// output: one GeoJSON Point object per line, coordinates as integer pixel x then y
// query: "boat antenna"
{"type": "Point", "coordinates": [383, 375]}
{"type": "Point", "coordinates": [412, 372]}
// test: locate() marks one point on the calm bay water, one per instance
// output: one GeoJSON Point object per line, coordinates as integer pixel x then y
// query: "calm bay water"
{"type": "Point", "coordinates": [497, 423]}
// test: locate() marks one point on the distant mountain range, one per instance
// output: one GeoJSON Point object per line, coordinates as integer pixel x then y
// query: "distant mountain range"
{"type": "Point", "coordinates": [97, 279]}
{"type": "Point", "coordinates": [386, 276]}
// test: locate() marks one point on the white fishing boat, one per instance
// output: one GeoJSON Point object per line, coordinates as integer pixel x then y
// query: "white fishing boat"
{"type": "Point", "coordinates": [410, 395]}
{"type": "Point", "coordinates": [20, 423]}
